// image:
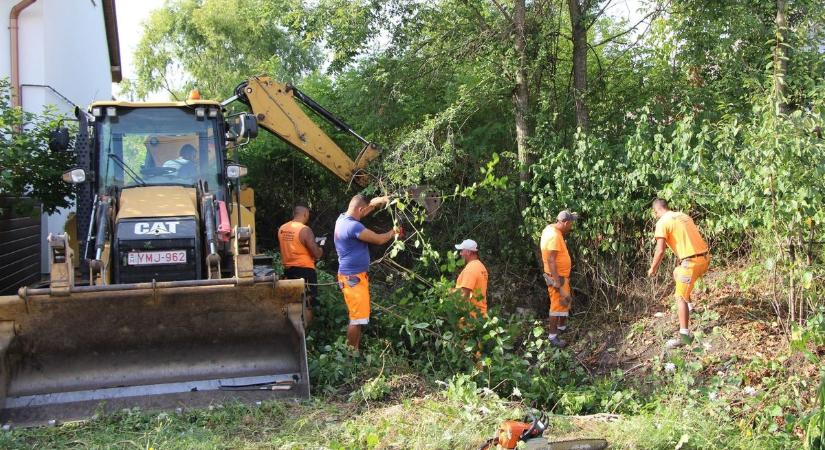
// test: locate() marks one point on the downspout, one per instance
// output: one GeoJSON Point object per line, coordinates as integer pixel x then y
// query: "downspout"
{"type": "Point", "coordinates": [16, 99]}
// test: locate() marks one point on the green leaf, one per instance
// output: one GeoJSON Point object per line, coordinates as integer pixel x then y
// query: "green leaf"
{"type": "Point", "coordinates": [373, 440]}
{"type": "Point", "coordinates": [775, 411]}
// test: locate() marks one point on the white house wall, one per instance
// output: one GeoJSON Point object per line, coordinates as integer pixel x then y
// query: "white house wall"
{"type": "Point", "coordinates": [5, 57]}
{"type": "Point", "coordinates": [76, 51]}
{"type": "Point", "coordinates": [63, 45]}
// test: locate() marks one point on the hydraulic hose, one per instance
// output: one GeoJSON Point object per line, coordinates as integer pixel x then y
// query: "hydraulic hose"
{"type": "Point", "coordinates": [102, 228]}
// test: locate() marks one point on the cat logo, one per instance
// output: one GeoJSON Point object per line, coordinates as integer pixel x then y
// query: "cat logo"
{"type": "Point", "coordinates": [156, 228]}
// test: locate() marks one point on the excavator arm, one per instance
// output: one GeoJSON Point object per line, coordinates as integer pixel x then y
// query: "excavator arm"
{"type": "Point", "coordinates": [275, 106]}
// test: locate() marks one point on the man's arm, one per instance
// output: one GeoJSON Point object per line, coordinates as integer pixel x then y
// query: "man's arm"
{"type": "Point", "coordinates": [551, 263]}
{"type": "Point", "coordinates": [375, 203]}
{"type": "Point", "coordinates": [466, 293]}
{"type": "Point", "coordinates": [467, 281]}
{"type": "Point", "coordinates": [657, 257]}
{"type": "Point", "coordinates": [372, 237]}
{"type": "Point", "coordinates": [307, 238]}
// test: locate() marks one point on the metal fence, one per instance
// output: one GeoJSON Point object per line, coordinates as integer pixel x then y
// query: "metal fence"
{"type": "Point", "coordinates": [19, 244]}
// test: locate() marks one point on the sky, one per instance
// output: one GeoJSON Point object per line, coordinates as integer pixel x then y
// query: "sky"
{"type": "Point", "coordinates": [131, 15]}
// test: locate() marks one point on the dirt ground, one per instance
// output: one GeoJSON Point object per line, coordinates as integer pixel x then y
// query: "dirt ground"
{"type": "Point", "coordinates": [726, 321]}
{"type": "Point", "coordinates": [733, 328]}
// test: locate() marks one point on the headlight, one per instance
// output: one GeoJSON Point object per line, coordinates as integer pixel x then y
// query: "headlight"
{"type": "Point", "coordinates": [235, 171]}
{"type": "Point", "coordinates": [74, 176]}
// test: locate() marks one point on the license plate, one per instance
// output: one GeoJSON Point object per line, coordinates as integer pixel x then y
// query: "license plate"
{"type": "Point", "coordinates": [152, 258]}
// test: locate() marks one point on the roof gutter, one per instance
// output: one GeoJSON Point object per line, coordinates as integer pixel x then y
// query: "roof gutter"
{"type": "Point", "coordinates": [112, 40]}
{"type": "Point", "coordinates": [16, 99]}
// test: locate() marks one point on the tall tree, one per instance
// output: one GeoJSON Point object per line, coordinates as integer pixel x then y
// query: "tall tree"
{"type": "Point", "coordinates": [780, 56]}
{"type": "Point", "coordinates": [578, 30]}
{"type": "Point", "coordinates": [521, 96]}
{"type": "Point", "coordinates": [216, 44]}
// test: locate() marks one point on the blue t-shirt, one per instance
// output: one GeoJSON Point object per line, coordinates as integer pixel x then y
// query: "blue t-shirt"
{"type": "Point", "coordinates": [353, 253]}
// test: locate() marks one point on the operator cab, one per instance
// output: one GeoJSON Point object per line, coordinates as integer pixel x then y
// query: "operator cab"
{"type": "Point", "coordinates": [174, 145]}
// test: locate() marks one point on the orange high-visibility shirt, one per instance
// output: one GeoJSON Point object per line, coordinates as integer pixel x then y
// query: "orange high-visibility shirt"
{"type": "Point", "coordinates": [553, 239]}
{"type": "Point", "coordinates": [293, 252]}
{"type": "Point", "coordinates": [680, 234]}
{"type": "Point", "coordinates": [474, 278]}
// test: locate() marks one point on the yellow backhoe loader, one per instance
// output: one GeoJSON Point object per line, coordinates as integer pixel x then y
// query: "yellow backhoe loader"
{"type": "Point", "coordinates": [156, 298]}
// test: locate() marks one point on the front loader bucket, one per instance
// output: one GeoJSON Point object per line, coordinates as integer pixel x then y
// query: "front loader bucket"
{"type": "Point", "coordinates": [151, 345]}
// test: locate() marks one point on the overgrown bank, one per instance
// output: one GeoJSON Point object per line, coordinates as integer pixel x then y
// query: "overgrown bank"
{"type": "Point", "coordinates": [740, 386]}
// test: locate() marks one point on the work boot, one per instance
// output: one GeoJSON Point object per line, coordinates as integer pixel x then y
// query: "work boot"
{"type": "Point", "coordinates": [558, 343]}
{"type": "Point", "coordinates": [681, 341]}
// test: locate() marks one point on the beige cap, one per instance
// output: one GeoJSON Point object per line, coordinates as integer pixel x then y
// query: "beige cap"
{"type": "Point", "coordinates": [567, 216]}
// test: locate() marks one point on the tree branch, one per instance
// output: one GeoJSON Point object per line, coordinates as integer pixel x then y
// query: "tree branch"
{"type": "Point", "coordinates": [598, 14]}
{"type": "Point", "coordinates": [503, 11]}
{"type": "Point", "coordinates": [655, 12]}
{"type": "Point", "coordinates": [479, 17]}
{"type": "Point", "coordinates": [598, 60]}
{"type": "Point", "coordinates": [619, 57]}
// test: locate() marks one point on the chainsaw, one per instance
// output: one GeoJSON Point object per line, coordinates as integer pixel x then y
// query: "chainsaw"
{"type": "Point", "coordinates": [531, 432]}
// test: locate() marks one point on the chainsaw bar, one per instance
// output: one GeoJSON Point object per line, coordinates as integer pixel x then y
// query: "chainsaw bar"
{"type": "Point", "coordinates": [574, 444]}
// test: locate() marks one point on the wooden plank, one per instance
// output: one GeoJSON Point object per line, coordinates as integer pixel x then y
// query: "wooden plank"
{"type": "Point", "coordinates": [9, 260]}
{"type": "Point", "coordinates": [23, 277]}
{"type": "Point", "coordinates": [20, 233]}
{"type": "Point", "coordinates": [25, 261]}
{"type": "Point", "coordinates": [33, 280]}
{"type": "Point", "coordinates": [20, 244]}
{"type": "Point", "coordinates": [17, 244]}
{"type": "Point", "coordinates": [8, 224]}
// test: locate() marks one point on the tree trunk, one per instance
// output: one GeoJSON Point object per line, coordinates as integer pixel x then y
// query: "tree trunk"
{"type": "Point", "coordinates": [521, 99]}
{"type": "Point", "coordinates": [780, 56]}
{"type": "Point", "coordinates": [579, 35]}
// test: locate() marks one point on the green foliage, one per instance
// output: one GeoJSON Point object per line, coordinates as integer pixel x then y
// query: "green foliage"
{"type": "Point", "coordinates": [425, 327]}
{"type": "Point", "coordinates": [374, 389]}
{"type": "Point", "coordinates": [217, 44]}
{"type": "Point", "coordinates": [27, 166]}
{"type": "Point", "coordinates": [815, 432]}
{"type": "Point", "coordinates": [346, 27]}
{"type": "Point", "coordinates": [812, 334]}
{"type": "Point", "coordinates": [804, 339]}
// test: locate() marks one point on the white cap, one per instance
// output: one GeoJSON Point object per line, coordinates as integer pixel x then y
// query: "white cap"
{"type": "Point", "coordinates": [467, 244]}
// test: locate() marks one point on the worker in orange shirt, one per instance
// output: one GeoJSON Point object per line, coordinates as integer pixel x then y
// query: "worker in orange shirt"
{"type": "Point", "coordinates": [677, 231]}
{"type": "Point", "coordinates": [299, 251]}
{"type": "Point", "coordinates": [557, 268]}
{"type": "Point", "coordinates": [473, 278]}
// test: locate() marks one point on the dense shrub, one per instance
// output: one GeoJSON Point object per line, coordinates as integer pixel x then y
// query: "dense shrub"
{"type": "Point", "coordinates": [27, 166]}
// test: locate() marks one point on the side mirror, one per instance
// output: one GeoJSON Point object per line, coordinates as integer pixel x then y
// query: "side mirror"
{"type": "Point", "coordinates": [74, 176]}
{"type": "Point", "coordinates": [247, 126]}
{"type": "Point", "coordinates": [59, 139]}
{"type": "Point", "coordinates": [235, 171]}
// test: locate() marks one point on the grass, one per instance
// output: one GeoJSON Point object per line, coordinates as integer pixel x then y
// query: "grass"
{"type": "Point", "coordinates": [436, 421]}
{"type": "Point", "coordinates": [459, 416]}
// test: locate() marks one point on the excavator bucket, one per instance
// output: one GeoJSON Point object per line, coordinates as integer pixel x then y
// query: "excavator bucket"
{"type": "Point", "coordinates": [69, 352]}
